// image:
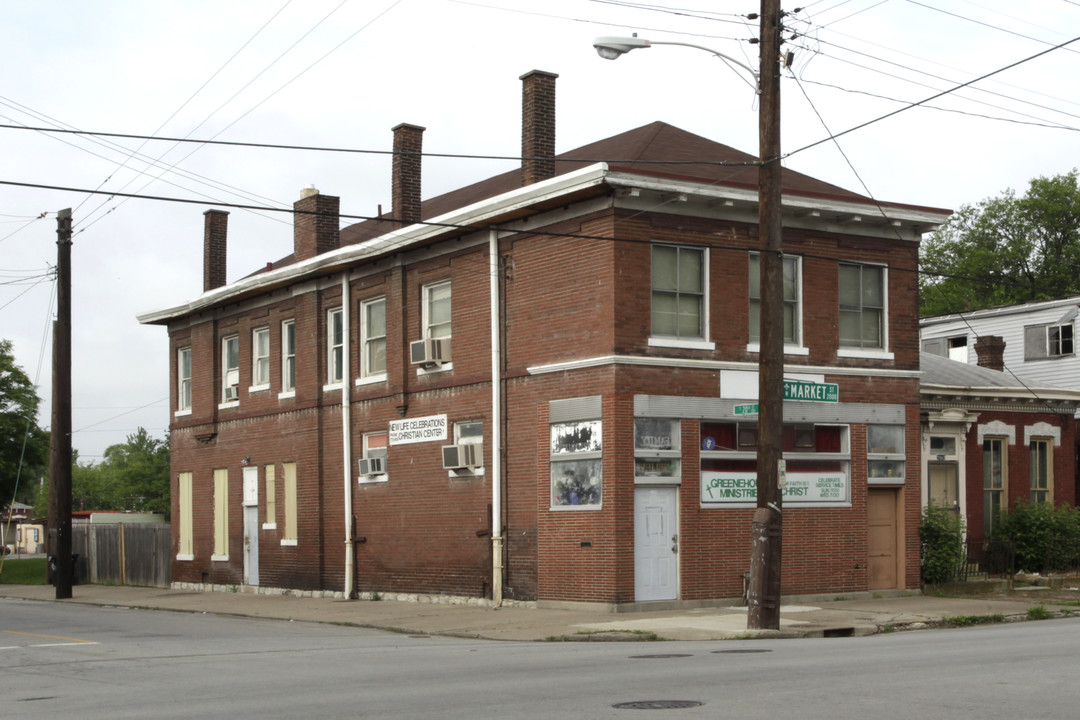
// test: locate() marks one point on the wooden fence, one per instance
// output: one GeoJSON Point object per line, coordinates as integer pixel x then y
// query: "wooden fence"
{"type": "Point", "coordinates": [123, 554]}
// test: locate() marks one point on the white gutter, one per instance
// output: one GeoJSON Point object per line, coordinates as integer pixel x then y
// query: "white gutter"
{"type": "Point", "coordinates": [496, 423]}
{"type": "Point", "coordinates": [346, 427]}
{"type": "Point", "coordinates": [477, 214]}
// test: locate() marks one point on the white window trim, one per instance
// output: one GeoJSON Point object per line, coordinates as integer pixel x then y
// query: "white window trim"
{"type": "Point", "coordinates": [290, 543]}
{"type": "Point", "coordinates": [881, 353]}
{"type": "Point", "coordinates": [425, 324]}
{"type": "Point", "coordinates": [258, 387]}
{"type": "Point", "coordinates": [287, 392]}
{"type": "Point", "coordinates": [332, 384]}
{"type": "Point", "coordinates": [182, 410]}
{"type": "Point", "coordinates": [670, 341]}
{"type": "Point", "coordinates": [426, 302]}
{"type": "Point", "coordinates": [225, 372]}
{"type": "Point", "coordinates": [366, 377]}
{"type": "Point", "coordinates": [799, 348]}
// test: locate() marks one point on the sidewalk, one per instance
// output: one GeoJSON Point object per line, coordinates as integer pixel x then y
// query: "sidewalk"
{"type": "Point", "coordinates": [833, 618]}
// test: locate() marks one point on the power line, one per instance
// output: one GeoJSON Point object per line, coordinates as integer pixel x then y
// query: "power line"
{"type": "Point", "coordinates": [932, 97]}
{"type": "Point", "coordinates": [317, 148]}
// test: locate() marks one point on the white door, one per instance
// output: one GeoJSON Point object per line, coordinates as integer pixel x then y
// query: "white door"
{"type": "Point", "coordinates": [251, 526]}
{"type": "Point", "coordinates": [656, 543]}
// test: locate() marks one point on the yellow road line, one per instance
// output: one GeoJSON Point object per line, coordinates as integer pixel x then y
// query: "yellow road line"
{"type": "Point", "coordinates": [51, 637]}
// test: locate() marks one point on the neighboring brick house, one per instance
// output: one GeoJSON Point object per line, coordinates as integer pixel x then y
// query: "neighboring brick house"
{"type": "Point", "coordinates": [545, 373]}
{"type": "Point", "coordinates": [991, 441]}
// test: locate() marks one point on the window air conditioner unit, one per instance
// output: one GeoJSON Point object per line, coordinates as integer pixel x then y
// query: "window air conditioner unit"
{"type": "Point", "coordinates": [372, 466]}
{"type": "Point", "coordinates": [430, 351]}
{"type": "Point", "coordinates": [457, 457]}
{"type": "Point", "coordinates": [232, 393]}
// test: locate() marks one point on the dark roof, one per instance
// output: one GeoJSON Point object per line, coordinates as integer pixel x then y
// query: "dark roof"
{"type": "Point", "coordinates": [656, 149]}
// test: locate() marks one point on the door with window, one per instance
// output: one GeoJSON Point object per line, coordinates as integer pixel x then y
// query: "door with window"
{"type": "Point", "coordinates": [656, 543]}
{"type": "Point", "coordinates": [943, 486]}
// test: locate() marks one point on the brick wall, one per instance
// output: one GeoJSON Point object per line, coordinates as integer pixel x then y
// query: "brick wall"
{"type": "Point", "coordinates": [565, 299]}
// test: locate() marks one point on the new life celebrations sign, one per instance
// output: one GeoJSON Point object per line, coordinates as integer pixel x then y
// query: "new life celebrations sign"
{"type": "Point", "coordinates": [422, 429]}
{"type": "Point", "coordinates": [803, 488]}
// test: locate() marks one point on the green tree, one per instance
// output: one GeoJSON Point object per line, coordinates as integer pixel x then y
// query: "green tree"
{"type": "Point", "coordinates": [24, 447]}
{"type": "Point", "coordinates": [1006, 250]}
{"type": "Point", "coordinates": [133, 475]}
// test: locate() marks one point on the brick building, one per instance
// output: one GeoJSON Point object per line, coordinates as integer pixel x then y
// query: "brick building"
{"type": "Point", "coordinates": [533, 387]}
{"type": "Point", "coordinates": [991, 441]}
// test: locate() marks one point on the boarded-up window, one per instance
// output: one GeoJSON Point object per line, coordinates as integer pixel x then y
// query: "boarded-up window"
{"type": "Point", "coordinates": [185, 546]}
{"type": "Point", "coordinates": [271, 497]}
{"type": "Point", "coordinates": [221, 515]}
{"type": "Point", "coordinates": [289, 536]}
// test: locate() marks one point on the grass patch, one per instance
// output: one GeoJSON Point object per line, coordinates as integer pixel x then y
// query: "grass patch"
{"type": "Point", "coordinates": [1039, 613]}
{"type": "Point", "coordinates": [1072, 603]}
{"type": "Point", "coordinates": [969, 620]}
{"type": "Point", "coordinates": [28, 571]}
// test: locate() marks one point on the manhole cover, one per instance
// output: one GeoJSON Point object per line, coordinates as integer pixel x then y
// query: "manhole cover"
{"type": "Point", "coordinates": [738, 652]}
{"type": "Point", "coordinates": [657, 704]}
{"type": "Point", "coordinates": [659, 657]}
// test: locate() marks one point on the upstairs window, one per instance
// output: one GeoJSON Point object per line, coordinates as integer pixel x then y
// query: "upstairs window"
{"type": "Point", "coordinates": [861, 293]}
{"type": "Point", "coordinates": [260, 358]}
{"type": "Point", "coordinates": [183, 381]}
{"type": "Point", "coordinates": [792, 317]}
{"type": "Point", "coordinates": [678, 292]}
{"type": "Point", "coordinates": [436, 311]}
{"type": "Point", "coordinates": [373, 338]}
{"type": "Point", "coordinates": [1042, 342]}
{"type": "Point", "coordinates": [288, 356]}
{"type": "Point", "coordinates": [335, 340]}
{"type": "Point", "coordinates": [230, 369]}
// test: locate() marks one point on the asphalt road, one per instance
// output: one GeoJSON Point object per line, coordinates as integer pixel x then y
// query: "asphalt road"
{"type": "Point", "coordinates": [71, 661]}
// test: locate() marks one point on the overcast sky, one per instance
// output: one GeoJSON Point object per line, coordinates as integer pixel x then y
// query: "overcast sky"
{"type": "Point", "coordinates": [337, 74]}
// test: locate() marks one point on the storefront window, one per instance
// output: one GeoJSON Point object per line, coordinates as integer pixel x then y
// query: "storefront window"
{"type": "Point", "coordinates": [576, 463]}
{"type": "Point", "coordinates": [817, 459]}
{"type": "Point", "coordinates": [657, 449]}
{"type": "Point", "coordinates": [885, 454]}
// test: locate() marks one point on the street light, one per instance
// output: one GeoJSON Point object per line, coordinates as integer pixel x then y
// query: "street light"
{"type": "Point", "coordinates": [612, 48]}
{"type": "Point", "coordinates": [763, 598]}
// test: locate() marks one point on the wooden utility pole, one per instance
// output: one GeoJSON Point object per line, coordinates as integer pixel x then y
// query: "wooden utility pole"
{"type": "Point", "coordinates": [60, 455]}
{"type": "Point", "coordinates": [763, 599]}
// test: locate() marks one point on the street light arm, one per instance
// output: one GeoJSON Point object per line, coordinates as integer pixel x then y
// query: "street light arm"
{"type": "Point", "coordinates": [611, 48]}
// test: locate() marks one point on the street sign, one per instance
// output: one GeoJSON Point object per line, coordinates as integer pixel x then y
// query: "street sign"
{"type": "Point", "coordinates": [811, 392]}
{"type": "Point", "coordinates": [749, 409]}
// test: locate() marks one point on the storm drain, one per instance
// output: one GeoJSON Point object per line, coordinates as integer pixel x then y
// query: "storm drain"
{"type": "Point", "coordinates": [657, 704]}
{"type": "Point", "coordinates": [659, 657]}
{"type": "Point", "coordinates": [744, 651]}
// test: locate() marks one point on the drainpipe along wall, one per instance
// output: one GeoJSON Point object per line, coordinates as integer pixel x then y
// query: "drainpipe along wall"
{"type": "Point", "coordinates": [496, 424]}
{"type": "Point", "coordinates": [346, 432]}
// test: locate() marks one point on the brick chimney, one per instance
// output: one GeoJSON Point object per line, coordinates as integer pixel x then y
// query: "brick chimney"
{"type": "Point", "coordinates": [405, 183]}
{"type": "Point", "coordinates": [537, 126]}
{"type": "Point", "coordinates": [215, 232]}
{"type": "Point", "coordinates": [315, 223]}
{"type": "Point", "coordinates": [991, 351]}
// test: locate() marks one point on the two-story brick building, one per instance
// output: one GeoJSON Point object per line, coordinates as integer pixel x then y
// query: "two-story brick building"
{"type": "Point", "coordinates": [541, 386]}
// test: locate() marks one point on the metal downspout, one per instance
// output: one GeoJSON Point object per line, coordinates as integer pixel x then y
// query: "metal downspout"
{"type": "Point", "coordinates": [496, 424]}
{"type": "Point", "coordinates": [346, 427]}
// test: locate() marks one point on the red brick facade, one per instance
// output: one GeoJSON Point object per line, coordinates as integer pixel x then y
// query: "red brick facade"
{"type": "Point", "coordinates": [575, 299]}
